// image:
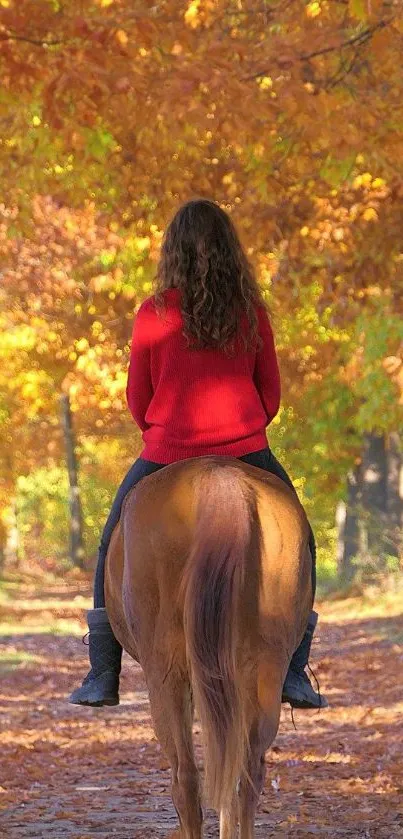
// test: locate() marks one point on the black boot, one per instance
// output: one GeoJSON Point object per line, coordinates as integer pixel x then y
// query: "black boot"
{"type": "Point", "coordinates": [297, 689]}
{"type": "Point", "coordinates": [101, 686]}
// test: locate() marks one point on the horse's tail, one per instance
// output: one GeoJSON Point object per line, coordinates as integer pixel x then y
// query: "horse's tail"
{"type": "Point", "coordinates": [220, 580]}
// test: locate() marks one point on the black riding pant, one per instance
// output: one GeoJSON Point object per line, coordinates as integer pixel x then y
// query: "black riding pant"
{"type": "Point", "coordinates": [141, 469]}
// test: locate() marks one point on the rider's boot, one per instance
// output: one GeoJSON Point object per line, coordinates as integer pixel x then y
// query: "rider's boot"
{"type": "Point", "coordinates": [297, 689]}
{"type": "Point", "coordinates": [101, 686]}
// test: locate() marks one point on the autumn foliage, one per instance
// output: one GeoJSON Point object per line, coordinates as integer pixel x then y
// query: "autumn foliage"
{"type": "Point", "coordinates": [288, 114]}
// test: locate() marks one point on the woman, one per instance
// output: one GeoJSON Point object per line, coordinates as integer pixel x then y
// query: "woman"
{"type": "Point", "coordinates": [203, 380]}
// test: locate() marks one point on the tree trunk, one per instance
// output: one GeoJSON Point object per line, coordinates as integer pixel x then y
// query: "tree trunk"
{"type": "Point", "coordinates": [374, 496]}
{"type": "Point", "coordinates": [394, 510]}
{"type": "Point", "coordinates": [3, 543]}
{"type": "Point", "coordinates": [348, 527]}
{"type": "Point", "coordinates": [76, 522]}
{"type": "Point", "coordinates": [13, 547]}
{"type": "Point", "coordinates": [369, 524]}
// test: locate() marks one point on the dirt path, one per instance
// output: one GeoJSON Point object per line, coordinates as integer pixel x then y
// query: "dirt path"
{"type": "Point", "coordinates": [71, 773]}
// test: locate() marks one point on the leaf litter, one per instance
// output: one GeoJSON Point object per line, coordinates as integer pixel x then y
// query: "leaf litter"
{"type": "Point", "coordinates": [81, 773]}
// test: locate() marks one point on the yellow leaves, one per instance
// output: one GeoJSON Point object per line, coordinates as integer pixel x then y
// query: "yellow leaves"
{"type": "Point", "coordinates": [177, 49]}
{"type": "Point", "coordinates": [266, 83]}
{"type": "Point", "coordinates": [128, 292]}
{"type": "Point", "coordinates": [338, 234]}
{"type": "Point", "coordinates": [378, 183]}
{"type": "Point", "coordinates": [143, 243]}
{"type": "Point", "coordinates": [96, 327]}
{"type": "Point", "coordinates": [82, 345]}
{"type": "Point", "coordinates": [370, 214]}
{"type": "Point", "coordinates": [304, 232]}
{"type": "Point", "coordinates": [36, 121]}
{"type": "Point", "coordinates": [20, 339]}
{"type": "Point", "coordinates": [122, 37]}
{"type": "Point", "coordinates": [313, 9]}
{"type": "Point", "coordinates": [191, 15]}
{"type": "Point", "coordinates": [30, 389]}
{"type": "Point", "coordinates": [364, 180]}
{"type": "Point", "coordinates": [100, 282]}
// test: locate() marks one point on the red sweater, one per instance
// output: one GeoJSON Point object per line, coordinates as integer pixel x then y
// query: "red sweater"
{"type": "Point", "coordinates": [192, 403]}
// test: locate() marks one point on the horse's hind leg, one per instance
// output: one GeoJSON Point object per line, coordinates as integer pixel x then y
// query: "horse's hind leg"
{"type": "Point", "coordinates": [172, 712]}
{"type": "Point", "coordinates": [251, 784]}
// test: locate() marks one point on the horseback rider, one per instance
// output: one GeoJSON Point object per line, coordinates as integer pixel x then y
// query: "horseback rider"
{"type": "Point", "coordinates": [203, 380]}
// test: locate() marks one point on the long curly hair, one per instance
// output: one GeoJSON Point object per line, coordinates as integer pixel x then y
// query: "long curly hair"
{"type": "Point", "coordinates": [202, 256]}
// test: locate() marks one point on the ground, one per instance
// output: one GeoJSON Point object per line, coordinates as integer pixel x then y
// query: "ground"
{"type": "Point", "coordinates": [81, 773]}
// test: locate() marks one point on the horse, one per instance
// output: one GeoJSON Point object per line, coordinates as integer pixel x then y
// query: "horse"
{"type": "Point", "coordinates": [208, 587]}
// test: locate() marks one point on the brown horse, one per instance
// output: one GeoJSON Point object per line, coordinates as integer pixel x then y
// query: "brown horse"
{"type": "Point", "coordinates": [208, 586]}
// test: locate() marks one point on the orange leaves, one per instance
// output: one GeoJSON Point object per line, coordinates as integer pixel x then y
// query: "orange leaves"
{"type": "Point", "coordinates": [152, 83]}
{"type": "Point", "coordinates": [287, 114]}
{"type": "Point", "coordinates": [122, 37]}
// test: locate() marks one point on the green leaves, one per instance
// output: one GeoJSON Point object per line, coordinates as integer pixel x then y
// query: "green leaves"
{"type": "Point", "coordinates": [359, 9]}
{"type": "Point", "coordinates": [100, 142]}
{"type": "Point", "coordinates": [335, 171]}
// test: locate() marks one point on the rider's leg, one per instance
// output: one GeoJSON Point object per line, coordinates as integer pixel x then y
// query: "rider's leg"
{"type": "Point", "coordinates": [101, 685]}
{"type": "Point", "coordinates": [297, 689]}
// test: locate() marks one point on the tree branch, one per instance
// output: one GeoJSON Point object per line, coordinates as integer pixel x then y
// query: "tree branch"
{"type": "Point", "coordinates": [362, 36]}
{"type": "Point", "coordinates": [42, 42]}
{"type": "Point", "coordinates": [357, 40]}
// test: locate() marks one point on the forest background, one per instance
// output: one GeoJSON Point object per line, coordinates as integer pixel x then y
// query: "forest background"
{"type": "Point", "coordinates": [290, 115]}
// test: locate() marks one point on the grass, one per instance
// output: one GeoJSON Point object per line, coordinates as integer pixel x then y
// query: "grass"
{"type": "Point", "coordinates": [28, 607]}
{"type": "Point", "coordinates": [12, 660]}
{"type": "Point", "coordinates": [62, 626]}
{"type": "Point", "coordinates": [8, 588]}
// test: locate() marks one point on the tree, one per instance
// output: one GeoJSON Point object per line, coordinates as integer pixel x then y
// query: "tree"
{"type": "Point", "coordinates": [115, 114]}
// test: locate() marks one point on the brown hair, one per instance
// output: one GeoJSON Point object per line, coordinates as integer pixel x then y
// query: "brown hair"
{"type": "Point", "coordinates": [203, 257]}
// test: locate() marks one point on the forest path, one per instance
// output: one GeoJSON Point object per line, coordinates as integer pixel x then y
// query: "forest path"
{"type": "Point", "coordinates": [82, 773]}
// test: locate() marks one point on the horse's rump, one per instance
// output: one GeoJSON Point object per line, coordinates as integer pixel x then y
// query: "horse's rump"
{"type": "Point", "coordinates": [215, 584]}
{"type": "Point", "coordinates": [221, 589]}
